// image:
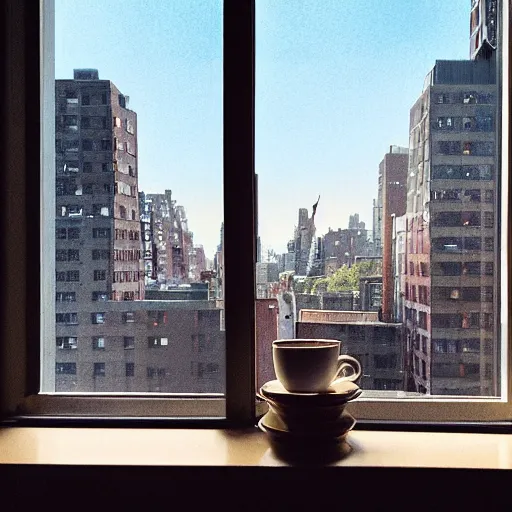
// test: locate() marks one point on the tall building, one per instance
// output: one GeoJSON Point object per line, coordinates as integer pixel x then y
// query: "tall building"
{"type": "Point", "coordinates": [451, 289]}
{"type": "Point", "coordinates": [98, 243]}
{"type": "Point", "coordinates": [393, 191]}
{"type": "Point", "coordinates": [303, 242]}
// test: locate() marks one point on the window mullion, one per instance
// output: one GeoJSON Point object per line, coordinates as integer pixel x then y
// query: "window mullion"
{"type": "Point", "coordinates": [239, 209]}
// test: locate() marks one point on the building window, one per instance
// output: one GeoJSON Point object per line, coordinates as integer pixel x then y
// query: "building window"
{"type": "Point", "coordinates": [86, 99]}
{"type": "Point", "coordinates": [100, 296]}
{"type": "Point", "coordinates": [67, 342]}
{"type": "Point", "coordinates": [128, 317]}
{"type": "Point", "coordinates": [98, 342]}
{"type": "Point", "coordinates": [66, 318]}
{"type": "Point", "coordinates": [157, 318]}
{"type": "Point", "coordinates": [488, 219]}
{"type": "Point", "coordinates": [65, 368]}
{"type": "Point", "coordinates": [101, 233]}
{"type": "Point", "coordinates": [129, 342]}
{"type": "Point", "coordinates": [65, 297]}
{"type": "Point", "coordinates": [122, 212]}
{"type": "Point", "coordinates": [99, 370]}
{"type": "Point", "coordinates": [73, 233]}
{"type": "Point", "coordinates": [73, 275]}
{"type": "Point", "coordinates": [130, 369]}
{"type": "Point", "coordinates": [98, 318]}
{"type": "Point", "coordinates": [100, 275]}
{"type": "Point", "coordinates": [100, 254]}
{"type": "Point", "coordinates": [157, 342]}
{"type": "Point", "coordinates": [61, 255]}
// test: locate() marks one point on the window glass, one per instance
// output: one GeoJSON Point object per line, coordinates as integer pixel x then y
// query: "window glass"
{"type": "Point", "coordinates": [378, 183]}
{"type": "Point", "coordinates": [138, 240]}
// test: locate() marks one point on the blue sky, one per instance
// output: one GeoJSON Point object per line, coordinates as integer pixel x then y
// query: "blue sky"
{"type": "Point", "coordinates": [335, 80]}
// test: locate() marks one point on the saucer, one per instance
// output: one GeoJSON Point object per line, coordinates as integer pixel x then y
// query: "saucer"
{"type": "Point", "coordinates": [339, 392]}
{"type": "Point", "coordinates": [273, 424]}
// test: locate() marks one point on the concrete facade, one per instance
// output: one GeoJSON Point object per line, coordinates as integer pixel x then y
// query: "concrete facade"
{"type": "Point", "coordinates": [142, 346]}
{"type": "Point", "coordinates": [450, 295]}
{"type": "Point", "coordinates": [98, 242]}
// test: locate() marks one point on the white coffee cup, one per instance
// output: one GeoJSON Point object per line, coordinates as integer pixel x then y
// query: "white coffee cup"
{"type": "Point", "coordinates": [311, 365]}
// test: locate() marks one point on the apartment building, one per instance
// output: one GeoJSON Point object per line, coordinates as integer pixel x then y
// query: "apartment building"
{"type": "Point", "coordinates": [141, 346]}
{"type": "Point", "coordinates": [98, 243]}
{"type": "Point", "coordinates": [451, 253]}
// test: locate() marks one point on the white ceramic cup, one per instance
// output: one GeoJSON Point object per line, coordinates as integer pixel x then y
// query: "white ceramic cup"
{"type": "Point", "coordinates": [311, 365]}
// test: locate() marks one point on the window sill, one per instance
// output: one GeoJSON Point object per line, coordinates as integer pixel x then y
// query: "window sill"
{"type": "Point", "coordinates": [243, 448]}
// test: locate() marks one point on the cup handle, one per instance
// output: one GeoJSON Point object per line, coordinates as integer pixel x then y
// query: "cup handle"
{"type": "Point", "coordinates": [348, 363]}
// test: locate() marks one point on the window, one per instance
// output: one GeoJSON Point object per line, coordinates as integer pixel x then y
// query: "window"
{"type": "Point", "coordinates": [101, 232]}
{"type": "Point", "coordinates": [98, 342]}
{"type": "Point", "coordinates": [99, 370]}
{"type": "Point", "coordinates": [128, 317]}
{"type": "Point", "coordinates": [67, 343]}
{"type": "Point", "coordinates": [73, 233]}
{"type": "Point", "coordinates": [99, 296]}
{"type": "Point", "coordinates": [65, 296]}
{"type": "Point", "coordinates": [448, 98]}
{"type": "Point", "coordinates": [129, 342]}
{"type": "Point", "coordinates": [100, 275]}
{"type": "Point", "coordinates": [130, 370]}
{"type": "Point", "coordinates": [100, 254]}
{"type": "Point", "coordinates": [65, 368]}
{"type": "Point", "coordinates": [73, 275]}
{"type": "Point", "coordinates": [157, 342]}
{"type": "Point", "coordinates": [98, 318]}
{"type": "Point", "coordinates": [66, 318]}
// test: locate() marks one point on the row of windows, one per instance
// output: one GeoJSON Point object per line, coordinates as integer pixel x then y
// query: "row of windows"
{"type": "Point", "coordinates": [73, 145]}
{"type": "Point", "coordinates": [463, 196]}
{"type": "Point", "coordinates": [421, 269]}
{"type": "Point", "coordinates": [468, 294]}
{"type": "Point", "coordinates": [73, 167]}
{"type": "Point", "coordinates": [418, 294]}
{"type": "Point", "coordinates": [466, 98]}
{"type": "Point", "coordinates": [87, 99]}
{"type": "Point", "coordinates": [75, 210]}
{"type": "Point", "coordinates": [479, 123]}
{"type": "Point", "coordinates": [97, 296]}
{"type": "Point", "coordinates": [127, 234]}
{"type": "Point", "coordinates": [128, 276]}
{"type": "Point", "coordinates": [464, 320]}
{"type": "Point", "coordinates": [151, 372]}
{"type": "Point", "coordinates": [70, 275]}
{"type": "Point", "coordinates": [67, 255]}
{"type": "Point", "coordinates": [69, 187]}
{"type": "Point", "coordinates": [98, 369]}
{"type": "Point", "coordinates": [74, 233]}
{"type": "Point", "coordinates": [124, 215]}
{"type": "Point", "coordinates": [470, 268]}
{"type": "Point", "coordinates": [127, 254]}
{"type": "Point", "coordinates": [127, 146]}
{"type": "Point", "coordinates": [471, 345]}
{"type": "Point", "coordinates": [200, 342]}
{"type": "Point", "coordinates": [460, 219]}
{"type": "Point", "coordinates": [462, 172]}
{"type": "Point", "coordinates": [473, 148]}
{"type": "Point", "coordinates": [74, 254]}
{"type": "Point", "coordinates": [459, 244]}
{"type": "Point", "coordinates": [98, 342]}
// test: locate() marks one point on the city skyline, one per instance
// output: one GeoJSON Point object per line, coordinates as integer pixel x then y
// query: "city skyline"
{"type": "Point", "coordinates": [306, 133]}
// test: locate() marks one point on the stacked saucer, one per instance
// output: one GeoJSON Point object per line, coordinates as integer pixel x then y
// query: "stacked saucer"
{"type": "Point", "coordinates": [308, 421]}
